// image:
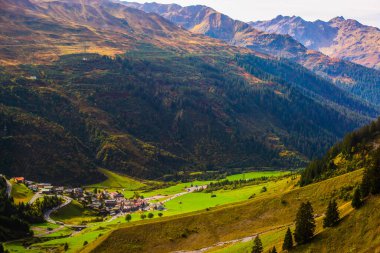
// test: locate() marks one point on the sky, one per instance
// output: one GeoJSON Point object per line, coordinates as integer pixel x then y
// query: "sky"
{"type": "Point", "coordinates": [365, 11]}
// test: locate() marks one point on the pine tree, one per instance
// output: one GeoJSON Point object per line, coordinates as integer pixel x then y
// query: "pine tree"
{"type": "Point", "coordinates": [257, 245]}
{"type": "Point", "coordinates": [332, 215]}
{"type": "Point", "coordinates": [371, 178]}
{"type": "Point", "coordinates": [365, 186]}
{"type": "Point", "coordinates": [305, 224]}
{"type": "Point", "coordinates": [288, 241]}
{"type": "Point", "coordinates": [357, 201]}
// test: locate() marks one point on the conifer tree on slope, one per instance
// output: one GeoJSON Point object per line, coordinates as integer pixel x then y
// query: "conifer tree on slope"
{"type": "Point", "coordinates": [371, 178]}
{"type": "Point", "coordinates": [332, 215]}
{"type": "Point", "coordinates": [305, 224]}
{"type": "Point", "coordinates": [288, 241]}
{"type": "Point", "coordinates": [357, 201]}
{"type": "Point", "coordinates": [257, 245]}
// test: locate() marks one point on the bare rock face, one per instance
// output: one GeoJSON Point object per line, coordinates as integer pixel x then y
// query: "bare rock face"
{"type": "Point", "coordinates": [315, 45]}
{"type": "Point", "coordinates": [341, 38]}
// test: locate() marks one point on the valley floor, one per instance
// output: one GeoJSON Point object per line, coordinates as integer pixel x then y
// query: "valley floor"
{"type": "Point", "coordinates": [196, 222]}
{"type": "Point", "coordinates": [226, 223]}
{"type": "Point", "coordinates": [268, 215]}
{"type": "Point", "coordinates": [178, 201]}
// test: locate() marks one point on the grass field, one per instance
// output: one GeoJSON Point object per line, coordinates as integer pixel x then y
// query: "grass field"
{"type": "Point", "coordinates": [74, 213]}
{"type": "Point", "coordinates": [223, 223]}
{"type": "Point", "coordinates": [257, 174]}
{"type": "Point", "coordinates": [20, 192]}
{"type": "Point", "coordinates": [275, 237]}
{"type": "Point", "coordinates": [199, 200]}
{"type": "Point", "coordinates": [192, 202]}
{"type": "Point", "coordinates": [118, 181]}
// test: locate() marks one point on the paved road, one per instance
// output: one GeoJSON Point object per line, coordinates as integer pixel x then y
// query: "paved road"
{"type": "Point", "coordinates": [34, 198]}
{"type": "Point", "coordinates": [48, 212]}
{"type": "Point", "coordinates": [188, 190]}
{"type": "Point", "coordinates": [9, 188]}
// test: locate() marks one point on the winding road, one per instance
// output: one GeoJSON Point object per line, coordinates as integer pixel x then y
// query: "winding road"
{"type": "Point", "coordinates": [9, 186]}
{"type": "Point", "coordinates": [34, 198]}
{"type": "Point", "coordinates": [48, 212]}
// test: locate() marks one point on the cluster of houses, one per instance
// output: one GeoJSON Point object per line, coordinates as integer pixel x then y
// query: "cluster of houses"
{"type": "Point", "coordinates": [102, 201]}
{"type": "Point", "coordinates": [114, 202]}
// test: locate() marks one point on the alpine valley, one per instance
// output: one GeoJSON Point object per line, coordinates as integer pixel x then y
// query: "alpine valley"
{"type": "Point", "coordinates": [128, 127]}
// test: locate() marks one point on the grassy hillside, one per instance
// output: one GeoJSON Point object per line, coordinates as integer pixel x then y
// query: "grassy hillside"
{"type": "Point", "coordinates": [115, 180]}
{"type": "Point", "coordinates": [74, 213]}
{"type": "Point", "coordinates": [358, 232]}
{"type": "Point", "coordinates": [21, 193]}
{"type": "Point", "coordinates": [225, 223]}
{"type": "Point", "coordinates": [355, 151]}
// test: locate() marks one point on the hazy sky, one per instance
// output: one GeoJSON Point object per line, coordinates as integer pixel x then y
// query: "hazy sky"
{"type": "Point", "coordinates": [365, 11]}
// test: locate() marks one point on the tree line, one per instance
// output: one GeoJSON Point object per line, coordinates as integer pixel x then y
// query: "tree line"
{"type": "Point", "coordinates": [15, 219]}
{"type": "Point", "coordinates": [352, 143]}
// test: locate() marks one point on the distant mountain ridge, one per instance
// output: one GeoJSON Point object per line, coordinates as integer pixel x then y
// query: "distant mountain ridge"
{"type": "Point", "coordinates": [363, 82]}
{"type": "Point", "coordinates": [168, 100]}
{"type": "Point", "coordinates": [341, 38]}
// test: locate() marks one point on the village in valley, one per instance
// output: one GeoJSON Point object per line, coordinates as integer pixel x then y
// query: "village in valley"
{"type": "Point", "coordinates": [102, 201]}
{"type": "Point", "coordinates": [72, 217]}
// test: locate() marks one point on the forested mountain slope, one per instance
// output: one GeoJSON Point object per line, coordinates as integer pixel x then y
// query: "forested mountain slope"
{"type": "Point", "coordinates": [359, 149]}
{"type": "Point", "coordinates": [170, 101]}
{"type": "Point", "coordinates": [359, 80]}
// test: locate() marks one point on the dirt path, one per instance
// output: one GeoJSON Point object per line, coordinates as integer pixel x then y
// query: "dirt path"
{"type": "Point", "coordinates": [188, 190]}
{"type": "Point", "coordinates": [51, 231]}
{"type": "Point", "coordinates": [345, 209]}
{"type": "Point", "coordinates": [240, 240]}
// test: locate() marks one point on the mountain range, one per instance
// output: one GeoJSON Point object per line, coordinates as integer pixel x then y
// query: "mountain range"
{"type": "Point", "coordinates": [107, 85]}
{"type": "Point", "coordinates": [352, 77]}
{"type": "Point", "coordinates": [339, 38]}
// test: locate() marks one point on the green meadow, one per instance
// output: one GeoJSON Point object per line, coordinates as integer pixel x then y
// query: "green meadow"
{"type": "Point", "coordinates": [20, 192]}
{"type": "Point", "coordinates": [118, 181]}
{"type": "Point", "coordinates": [74, 213]}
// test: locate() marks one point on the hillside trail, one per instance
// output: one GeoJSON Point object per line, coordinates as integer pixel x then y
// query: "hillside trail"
{"type": "Point", "coordinates": [344, 209]}
{"type": "Point", "coordinates": [240, 240]}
